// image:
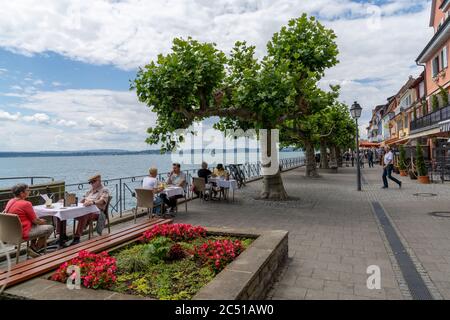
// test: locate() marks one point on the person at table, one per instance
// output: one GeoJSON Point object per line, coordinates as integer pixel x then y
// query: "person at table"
{"type": "Point", "coordinates": [97, 195]}
{"type": "Point", "coordinates": [178, 178]}
{"type": "Point", "coordinates": [152, 183]}
{"type": "Point", "coordinates": [32, 226]}
{"type": "Point", "coordinates": [220, 172]}
{"type": "Point", "coordinates": [204, 173]}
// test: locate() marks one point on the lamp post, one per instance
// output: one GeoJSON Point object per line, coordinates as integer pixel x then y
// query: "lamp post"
{"type": "Point", "coordinates": [355, 111]}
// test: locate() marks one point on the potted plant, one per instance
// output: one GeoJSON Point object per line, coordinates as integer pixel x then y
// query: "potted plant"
{"type": "Point", "coordinates": [402, 162]}
{"type": "Point", "coordinates": [422, 172]}
{"type": "Point", "coordinates": [434, 103]}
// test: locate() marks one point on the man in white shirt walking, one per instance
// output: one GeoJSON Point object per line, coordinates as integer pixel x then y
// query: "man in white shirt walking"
{"type": "Point", "coordinates": [388, 166]}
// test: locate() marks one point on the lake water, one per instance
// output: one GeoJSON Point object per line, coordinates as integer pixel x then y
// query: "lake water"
{"type": "Point", "coordinates": [79, 168]}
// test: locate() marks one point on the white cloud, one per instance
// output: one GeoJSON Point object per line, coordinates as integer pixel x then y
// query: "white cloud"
{"type": "Point", "coordinates": [3, 70]}
{"type": "Point", "coordinates": [66, 123]}
{"type": "Point", "coordinates": [4, 115]}
{"type": "Point", "coordinates": [38, 117]}
{"type": "Point", "coordinates": [94, 122]}
{"type": "Point", "coordinates": [38, 82]}
{"type": "Point", "coordinates": [83, 119]}
{"type": "Point", "coordinates": [377, 47]}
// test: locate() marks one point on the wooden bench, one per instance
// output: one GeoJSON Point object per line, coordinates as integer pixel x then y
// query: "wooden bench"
{"type": "Point", "coordinates": [32, 268]}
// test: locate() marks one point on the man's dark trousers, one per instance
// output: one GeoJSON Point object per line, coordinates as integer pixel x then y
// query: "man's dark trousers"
{"type": "Point", "coordinates": [388, 172]}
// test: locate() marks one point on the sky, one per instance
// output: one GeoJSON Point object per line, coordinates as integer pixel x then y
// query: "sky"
{"type": "Point", "coordinates": [66, 65]}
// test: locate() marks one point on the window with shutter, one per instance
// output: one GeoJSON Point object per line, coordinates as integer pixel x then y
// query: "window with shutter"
{"type": "Point", "coordinates": [444, 58]}
{"type": "Point", "coordinates": [435, 65]}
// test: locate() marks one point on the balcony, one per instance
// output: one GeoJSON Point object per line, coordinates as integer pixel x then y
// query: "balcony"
{"type": "Point", "coordinates": [431, 119]}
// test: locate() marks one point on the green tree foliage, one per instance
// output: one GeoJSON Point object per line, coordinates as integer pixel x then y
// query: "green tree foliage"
{"type": "Point", "coordinates": [444, 96]}
{"type": "Point", "coordinates": [434, 103]}
{"type": "Point", "coordinates": [197, 81]}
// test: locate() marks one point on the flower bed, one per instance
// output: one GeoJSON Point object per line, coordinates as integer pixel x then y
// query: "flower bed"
{"type": "Point", "coordinates": [169, 262]}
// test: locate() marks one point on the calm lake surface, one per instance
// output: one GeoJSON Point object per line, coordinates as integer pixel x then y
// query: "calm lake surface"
{"type": "Point", "coordinates": [76, 169]}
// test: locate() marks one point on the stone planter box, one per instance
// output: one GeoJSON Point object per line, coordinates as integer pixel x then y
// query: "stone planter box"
{"type": "Point", "coordinates": [249, 277]}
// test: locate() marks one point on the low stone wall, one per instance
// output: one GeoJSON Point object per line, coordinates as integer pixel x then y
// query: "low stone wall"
{"type": "Point", "coordinates": [248, 277]}
{"type": "Point", "coordinates": [251, 275]}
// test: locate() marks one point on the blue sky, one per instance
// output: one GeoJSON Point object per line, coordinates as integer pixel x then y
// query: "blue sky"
{"type": "Point", "coordinates": [65, 65]}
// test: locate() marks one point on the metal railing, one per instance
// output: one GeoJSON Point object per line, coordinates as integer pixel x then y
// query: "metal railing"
{"type": "Point", "coordinates": [122, 189]}
{"type": "Point", "coordinates": [29, 178]}
{"type": "Point", "coordinates": [431, 118]}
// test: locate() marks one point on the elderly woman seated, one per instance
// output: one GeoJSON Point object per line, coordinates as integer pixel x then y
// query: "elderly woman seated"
{"type": "Point", "coordinates": [152, 183]}
{"type": "Point", "coordinates": [32, 226]}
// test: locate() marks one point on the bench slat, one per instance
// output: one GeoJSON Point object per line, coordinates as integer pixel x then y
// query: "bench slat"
{"type": "Point", "coordinates": [83, 245]}
{"type": "Point", "coordinates": [19, 275]}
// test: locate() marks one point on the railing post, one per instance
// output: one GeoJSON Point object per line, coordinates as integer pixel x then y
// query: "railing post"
{"type": "Point", "coordinates": [120, 198]}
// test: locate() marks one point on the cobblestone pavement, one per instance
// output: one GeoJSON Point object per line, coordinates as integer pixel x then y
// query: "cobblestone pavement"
{"type": "Point", "coordinates": [423, 223]}
{"type": "Point", "coordinates": [333, 235]}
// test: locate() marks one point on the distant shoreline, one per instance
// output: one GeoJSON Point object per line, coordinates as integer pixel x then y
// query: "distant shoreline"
{"type": "Point", "coordinates": [88, 153]}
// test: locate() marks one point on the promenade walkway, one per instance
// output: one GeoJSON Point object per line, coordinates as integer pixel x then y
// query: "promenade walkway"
{"type": "Point", "coordinates": [335, 233]}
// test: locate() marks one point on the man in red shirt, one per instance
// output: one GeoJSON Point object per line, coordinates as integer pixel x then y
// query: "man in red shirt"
{"type": "Point", "coordinates": [32, 226]}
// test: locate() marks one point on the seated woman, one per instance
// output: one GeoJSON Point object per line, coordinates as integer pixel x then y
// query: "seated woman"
{"type": "Point", "coordinates": [32, 226]}
{"type": "Point", "coordinates": [220, 172]}
{"type": "Point", "coordinates": [151, 183]}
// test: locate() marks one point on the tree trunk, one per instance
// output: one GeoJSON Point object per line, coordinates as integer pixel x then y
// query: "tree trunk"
{"type": "Point", "coordinates": [333, 160]}
{"type": "Point", "coordinates": [273, 188]}
{"type": "Point", "coordinates": [323, 155]}
{"type": "Point", "coordinates": [340, 162]}
{"type": "Point", "coordinates": [311, 168]}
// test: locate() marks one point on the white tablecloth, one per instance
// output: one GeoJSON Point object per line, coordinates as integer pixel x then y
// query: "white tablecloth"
{"type": "Point", "coordinates": [227, 184]}
{"type": "Point", "coordinates": [172, 191]}
{"type": "Point", "coordinates": [65, 214]}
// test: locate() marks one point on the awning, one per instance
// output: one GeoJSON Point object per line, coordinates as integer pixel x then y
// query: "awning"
{"type": "Point", "coordinates": [424, 133]}
{"type": "Point", "coordinates": [444, 126]}
{"type": "Point", "coordinates": [366, 144]}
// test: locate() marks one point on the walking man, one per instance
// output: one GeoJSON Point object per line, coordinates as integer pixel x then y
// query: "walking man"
{"type": "Point", "coordinates": [388, 167]}
{"type": "Point", "coordinates": [370, 158]}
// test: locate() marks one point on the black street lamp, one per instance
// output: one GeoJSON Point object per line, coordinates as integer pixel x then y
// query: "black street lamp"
{"type": "Point", "coordinates": [355, 111]}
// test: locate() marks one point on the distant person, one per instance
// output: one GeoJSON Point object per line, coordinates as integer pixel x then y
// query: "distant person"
{"type": "Point", "coordinates": [388, 167]}
{"type": "Point", "coordinates": [32, 226]}
{"type": "Point", "coordinates": [317, 159]}
{"type": "Point", "coordinates": [204, 173]}
{"type": "Point", "coordinates": [370, 156]}
{"type": "Point", "coordinates": [97, 195]}
{"type": "Point", "coordinates": [152, 183]}
{"type": "Point", "coordinates": [220, 172]}
{"type": "Point", "coordinates": [353, 158]}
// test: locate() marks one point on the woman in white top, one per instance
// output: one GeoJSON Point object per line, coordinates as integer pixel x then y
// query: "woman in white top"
{"type": "Point", "coordinates": [151, 183]}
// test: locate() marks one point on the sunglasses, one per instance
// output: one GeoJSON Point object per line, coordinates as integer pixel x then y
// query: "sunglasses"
{"type": "Point", "coordinates": [93, 181]}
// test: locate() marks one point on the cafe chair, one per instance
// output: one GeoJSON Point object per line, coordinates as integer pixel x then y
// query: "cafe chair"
{"type": "Point", "coordinates": [144, 199]}
{"type": "Point", "coordinates": [200, 187]}
{"type": "Point", "coordinates": [11, 232]}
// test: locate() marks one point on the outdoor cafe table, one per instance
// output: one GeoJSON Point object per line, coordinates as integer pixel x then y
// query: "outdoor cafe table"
{"type": "Point", "coordinates": [172, 191]}
{"type": "Point", "coordinates": [65, 213]}
{"type": "Point", "coordinates": [226, 184]}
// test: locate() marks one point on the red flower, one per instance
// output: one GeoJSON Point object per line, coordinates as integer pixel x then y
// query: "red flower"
{"type": "Point", "coordinates": [218, 254]}
{"type": "Point", "coordinates": [96, 270]}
